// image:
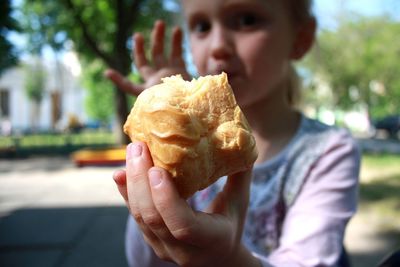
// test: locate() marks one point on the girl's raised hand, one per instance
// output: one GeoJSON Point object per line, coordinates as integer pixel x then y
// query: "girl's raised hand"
{"type": "Point", "coordinates": [169, 225]}
{"type": "Point", "coordinates": [159, 66]}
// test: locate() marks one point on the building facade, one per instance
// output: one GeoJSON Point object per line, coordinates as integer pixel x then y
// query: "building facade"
{"type": "Point", "coordinates": [63, 97]}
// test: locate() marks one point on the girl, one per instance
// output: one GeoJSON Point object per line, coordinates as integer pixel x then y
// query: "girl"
{"type": "Point", "coordinates": [292, 208]}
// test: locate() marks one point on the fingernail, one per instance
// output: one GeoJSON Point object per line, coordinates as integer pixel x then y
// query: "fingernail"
{"type": "Point", "coordinates": [134, 150]}
{"type": "Point", "coordinates": [155, 177]}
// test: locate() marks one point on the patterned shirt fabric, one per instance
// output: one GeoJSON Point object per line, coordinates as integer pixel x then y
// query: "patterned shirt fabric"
{"type": "Point", "coordinates": [300, 201]}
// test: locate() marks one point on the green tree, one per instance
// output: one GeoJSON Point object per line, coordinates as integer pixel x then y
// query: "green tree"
{"type": "Point", "coordinates": [9, 55]}
{"type": "Point", "coordinates": [99, 101]}
{"type": "Point", "coordinates": [100, 30]}
{"type": "Point", "coordinates": [359, 61]}
{"type": "Point", "coordinates": [100, 95]}
{"type": "Point", "coordinates": [34, 87]}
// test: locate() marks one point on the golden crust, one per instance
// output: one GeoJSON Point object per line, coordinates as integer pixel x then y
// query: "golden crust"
{"type": "Point", "coordinates": [195, 130]}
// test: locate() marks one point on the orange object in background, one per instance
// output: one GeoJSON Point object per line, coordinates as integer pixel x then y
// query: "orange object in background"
{"type": "Point", "coordinates": [100, 157]}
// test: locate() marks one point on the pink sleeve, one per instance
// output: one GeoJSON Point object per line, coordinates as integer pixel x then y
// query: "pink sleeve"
{"type": "Point", "coordinates": [313, 230]}
{"type": "Point", "coordinates": [138, 253]}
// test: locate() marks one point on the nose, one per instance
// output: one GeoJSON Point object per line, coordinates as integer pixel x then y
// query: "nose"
{"type": "Point", "coordinates": [222, 43]}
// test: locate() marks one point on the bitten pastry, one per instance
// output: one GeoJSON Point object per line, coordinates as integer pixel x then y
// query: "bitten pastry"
{"type": "Point", "coordinates": [194, 129]}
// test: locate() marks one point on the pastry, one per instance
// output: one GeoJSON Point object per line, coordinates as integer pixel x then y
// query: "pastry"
{"type": "Point", "coordinates": [194, 129]}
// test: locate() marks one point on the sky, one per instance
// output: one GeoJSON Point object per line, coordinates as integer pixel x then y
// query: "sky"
{"type": "Point", "coordinates": [327, 11]}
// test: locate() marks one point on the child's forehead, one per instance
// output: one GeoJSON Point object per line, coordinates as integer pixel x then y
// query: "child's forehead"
{"type": "Point", "coordinates": [204, 4]}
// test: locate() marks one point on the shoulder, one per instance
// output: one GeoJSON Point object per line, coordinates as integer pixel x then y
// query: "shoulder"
{"type": "Point", "coordinates": [325, 150]}
{"type": "Point", "coordinates": [321, 137]}
{"type": "Point", "coordinates": [319, 150]}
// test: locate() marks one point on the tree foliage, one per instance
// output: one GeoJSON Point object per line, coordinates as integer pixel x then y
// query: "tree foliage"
{"type": "Point", "coordinates": [9, 55]}
{"type": "Point", "coordinates": [100, 95]}
{"type": "Point", "coordinates": [359, 61]}
{"type": "Point", "coordinates": [35, 82]}
{"type": "Point", "coordinates": [100, 30]}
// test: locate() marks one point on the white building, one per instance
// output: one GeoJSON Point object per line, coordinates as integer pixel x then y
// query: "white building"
{"type": "Point", "coordinates": [63, 97]}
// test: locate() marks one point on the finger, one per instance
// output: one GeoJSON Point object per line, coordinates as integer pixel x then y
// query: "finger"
{"type": "Point", "coordinates": [121, 181]}
{"type": "Point", "coordinates": [233, 199]}
{"type": "Point", "coordinates": [236, 191]}
{"type": "Point", "coordinates": [139, 55]}
{"type": "Point", "coordinates": [137, 164]}
{"type": "Point", "coordinates": [176, 50]}
{"type": "Point", "coordinates": [185, 225]}
{"type": "Point", "coordinates": [119, 177]}
{"type": "Point", "coordinates": [122, 83]}
{"type": "Point", "coordinates": [157, 44]}
{"type": "Point", "coordinates": [139, 192]}
{"type": "Point", "coordinates": [236, 196]}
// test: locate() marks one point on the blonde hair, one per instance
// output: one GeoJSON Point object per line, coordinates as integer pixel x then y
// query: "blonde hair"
{"type": "Point", "coordinates": [300, 11]}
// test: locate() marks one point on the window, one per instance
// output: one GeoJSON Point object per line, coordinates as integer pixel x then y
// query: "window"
{"type": "Point", "coordinates": [4, 103]}
{"type": "Point", "coordinates": [55, 107]}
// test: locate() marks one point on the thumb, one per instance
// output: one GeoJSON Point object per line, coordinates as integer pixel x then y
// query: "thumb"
{"type": "Point", "coordinates": [186, 225]}
{"type": "Point", "coordinates": [165, 194]}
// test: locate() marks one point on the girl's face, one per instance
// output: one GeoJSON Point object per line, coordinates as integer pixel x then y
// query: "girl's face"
{"type": "Point", "coordinates": [251, 40]}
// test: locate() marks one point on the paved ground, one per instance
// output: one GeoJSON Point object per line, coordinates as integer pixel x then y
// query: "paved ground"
{"type": "Point", "coordinates": [54, 214]}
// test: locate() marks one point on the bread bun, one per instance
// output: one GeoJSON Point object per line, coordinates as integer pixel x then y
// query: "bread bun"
{"type": "Point", "coordinates": [195, 130]}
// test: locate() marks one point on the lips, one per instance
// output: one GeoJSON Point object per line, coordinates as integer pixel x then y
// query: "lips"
{"type": "Point", "coordinates": [231, 69]}
{"type": "Point", "coordinates": [231, 74]}
{"type": "Point", "coordinates": [234, 78]}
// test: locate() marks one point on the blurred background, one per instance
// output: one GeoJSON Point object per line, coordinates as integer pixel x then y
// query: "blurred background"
{"type": "Point", "coordinates": [60, 121]}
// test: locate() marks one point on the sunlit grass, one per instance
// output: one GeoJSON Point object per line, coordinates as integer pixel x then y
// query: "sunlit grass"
{"type": "Point", "coordinates": [380, 189]}
{"type": "Point", "coordinates": [48, 140]}
{"type": "Point", "coordinates": [379, 166]}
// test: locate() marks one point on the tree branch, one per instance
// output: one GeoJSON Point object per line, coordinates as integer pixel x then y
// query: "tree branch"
{"type": "Point", "coordinates": [126, 15]}
{"type": "Point", "coordinates": [121, 27]}
{"type": "Point", "coordinates": [134, 9]}
{"type": "Point", "coordinates": [87, 37]}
